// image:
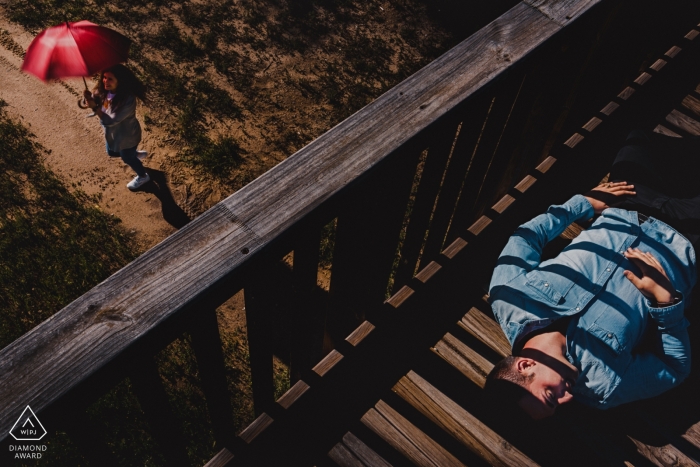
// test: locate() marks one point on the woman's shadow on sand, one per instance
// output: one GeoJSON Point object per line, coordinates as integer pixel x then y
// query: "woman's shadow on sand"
{"type": "Point", "coordinates": [172, 213]}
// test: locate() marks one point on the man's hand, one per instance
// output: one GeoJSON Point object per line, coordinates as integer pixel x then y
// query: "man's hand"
{"type": "Point", "coordinates": [654, 283]}
{"type": "Point", "coordinates": [606, 191]}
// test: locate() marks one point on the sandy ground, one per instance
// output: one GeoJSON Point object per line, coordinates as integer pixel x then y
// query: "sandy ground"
{"type": "Point", "coordinates": [76, 151]}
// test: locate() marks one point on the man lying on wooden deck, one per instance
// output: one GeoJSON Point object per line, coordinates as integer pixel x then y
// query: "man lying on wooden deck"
{"type": "Point", "coordinates": [577, 323]}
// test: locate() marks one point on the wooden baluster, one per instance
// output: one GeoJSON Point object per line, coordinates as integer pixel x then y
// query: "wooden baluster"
{"type": "Point", "coordinates": [307, 325]}
{"type": "Point", "coordinates": [149, 389]}
{"type": "Point", "coordinates": [431, 177]}
{"type": "Point", "coordinates": [367, 237]}
{"type": "Point", "coordinates": [486, 149]}
{"type": "Point", "coordinates": [207, 346]}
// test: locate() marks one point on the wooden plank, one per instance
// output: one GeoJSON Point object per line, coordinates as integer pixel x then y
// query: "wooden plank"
{"type": "Point", "coordinates": [459, 423]}
{"type": "Point", "coordinates": [342, 456]}
{"type": "Point", "coordinates": [486, 330]}
{"type": "Point", "coordinates": [673, 51]}
{"type": "Point", "coordinates": [626, 93]}
{"type": "Point", "coordinates": [692, 35]}
{"type": "Point", "coordinates": [401, 296]}
{"type": "Point", "coordinates": [574, 140]}
{"type": "Point", "coordinates": [503, 203]}
{"type": "Point", "coordinates": [260, 424]}
{"type": "Point", "coordinates": [207, 346]}
{"type": "Point", "coordinates": [467, 361]}
{"type": "Point", "coordinates": [454, 248]}
{"type": "Point", "coordinates": [563, 12]}
{"type": "Point", "coordinates": [293, 394]}
{"type": "Point", "coordinates": [665, 131]}
{"type": "Point", "coordinates": [592, 124]}
{"type": "Point", "coordinates": [477, 227]}
{"type": "Point", "coordinates": [642, 78]}
{"type": "Point", "coordinates": [363, 452]}
{"type": "Point", "coordinates": [685, 123]}
{"type": "Point", "coordinates": [221, 459]}
{"type": "Point", "coordinates": [658, 64]}
{"type": "Point", "coordinates": [328, 362]}
{"type": "Point", "coordinates": [360, 333]}
{"type": "Point", "coordinates": [403, 436]}
{"type": "Point", "coordinates": [692, 103]}
{"type": "Point", "coordinates": [546, 164]}
{"type": "Point", "coordinates": [96, 328]}
{"type": "Point", "coordinates": [428, 271]}
{"type": "Point", "coordinates": [610, 108]}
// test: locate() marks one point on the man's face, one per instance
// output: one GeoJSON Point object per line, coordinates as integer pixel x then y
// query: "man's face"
{"type": "Point", "coordinates": [547, 388]}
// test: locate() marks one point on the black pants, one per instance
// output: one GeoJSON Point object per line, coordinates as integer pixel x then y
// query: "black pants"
{"type": "Point", "coordinates": [666, 174]}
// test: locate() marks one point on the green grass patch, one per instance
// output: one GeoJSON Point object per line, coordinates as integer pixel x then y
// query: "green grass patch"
{"type": "Point", "coordinates": [54, 244]}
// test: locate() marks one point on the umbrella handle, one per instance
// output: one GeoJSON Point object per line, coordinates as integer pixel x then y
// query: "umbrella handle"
{"type": "Point", "coordinates": [82, 103]}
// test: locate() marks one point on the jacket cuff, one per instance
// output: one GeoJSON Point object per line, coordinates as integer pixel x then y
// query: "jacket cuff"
{"type": "Point", "coordinates": [581, 207]}
{"type": "Point", "coordinates": [667, 316]}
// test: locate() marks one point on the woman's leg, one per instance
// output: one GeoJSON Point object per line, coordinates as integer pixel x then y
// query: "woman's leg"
{"type": "Point", "coordinates": [131, 159]}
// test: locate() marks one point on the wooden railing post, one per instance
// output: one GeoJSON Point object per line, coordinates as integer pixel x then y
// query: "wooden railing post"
{"type": "Point", "coordinates": [149, 389]}
{"type": "Point", "coordinates": [207, 345]}
{"type": "Point", "coordinates": [257, 312]}
{"type": "Point", "coordinates": [367, 237]}
{"type": "Point", "coordinates": [308, 320]}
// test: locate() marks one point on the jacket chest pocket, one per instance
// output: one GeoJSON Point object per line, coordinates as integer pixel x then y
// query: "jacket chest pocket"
{"type": "Point", "coordinates": [551, 291]}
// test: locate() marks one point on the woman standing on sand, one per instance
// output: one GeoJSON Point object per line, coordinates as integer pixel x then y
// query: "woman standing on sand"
{"type": "Point", "coordinates": [114, 101]}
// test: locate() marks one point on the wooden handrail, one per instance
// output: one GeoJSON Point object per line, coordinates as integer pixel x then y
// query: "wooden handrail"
{"type": "Point", "coordinates": [172, 278]}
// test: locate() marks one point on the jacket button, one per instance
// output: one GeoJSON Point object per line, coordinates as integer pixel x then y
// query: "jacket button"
{"type": "Point", "coordinates": [546, 284]}
{"type": "Point", "coordinates": [578, 308]}
{"type": "Point", "coordinates": [608, 269]}
{"type": "Point", "coordinates": [609, 335]}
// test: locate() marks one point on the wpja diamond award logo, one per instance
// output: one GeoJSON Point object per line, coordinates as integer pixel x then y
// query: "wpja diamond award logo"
{"type": "Point", "coordinates": [28, 428]}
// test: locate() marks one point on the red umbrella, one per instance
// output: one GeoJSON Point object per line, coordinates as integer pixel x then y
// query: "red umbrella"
{"type": "Point", "coordinates": [74, 49]}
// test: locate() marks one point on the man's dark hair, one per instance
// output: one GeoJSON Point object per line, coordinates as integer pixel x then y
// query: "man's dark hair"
{"type": "Point", "coordinates": [505, 383]}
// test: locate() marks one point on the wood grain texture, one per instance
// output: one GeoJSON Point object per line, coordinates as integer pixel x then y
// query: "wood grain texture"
{"type": "Point", "coordinates": [692, 103]}
{"type": "Point", "coordinates": [363, 452]}
{"type": "Point", "coordinates": [503, 203]}
{"type": "Point", "coordinates": [97, 327]}
{"type": "Point", "coordinates": [659, 64]}
{"type": "Point", "coordinates": [454, 248]}
{"type": "Point", "coordinates": [673, 51]}
{"type": "Point", "coordinates": [254, 429]}
{"type": "Point", "coordinates": [342, 456]}
{"type": "Point", "coordinates": [592, 124]}
{"type": "Point", "coordinates": [685, 123]}
{"type": "Point", "coordinates": [626, 93]}
{"type": "Point", "coordinates": [486, 330]}
{"type": "Point", "coordinates": [609, 108]}
{"type": "Point", "coordinates": [525, 183]}
{"type": "Point", "coordinates": [406, 438]}
{"type": "Point", "coordinates": [666, 131]}
{"type": "Point", "coordinates": [643, 78]}
{"type": "Point", "coordinates": [546, 164]}
{"type": "Point", "coordinates": [360, 333]}
{"type": "Point", "coordinates": [328, 362]}
{"type": "Point", "coordinates": [428, 271]}
{"type": "Point", "coordinates": [401, 296]}
{"type": "Point", "coordinates": [292, 394]}
{"type": "Point", "coordinates": [459, 423]}
{"type": "Point", "coordinates": [481, 223]}
{"type": "Point", "coordinates": [221, 459]}
{"type": "Point", "coordinates": [563, 12]}
{"type": "Point", "coordinates": [692, 35]}
{"type": "Point", "coordinates": [574, 140]}
{"type": "Point", "coordinates": [467, 361]}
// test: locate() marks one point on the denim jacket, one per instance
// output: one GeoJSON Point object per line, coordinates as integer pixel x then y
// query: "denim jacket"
{"type": "Point", "coordinates": [609, 315]}
{"type": "Point", "coordinates": [122, 129]}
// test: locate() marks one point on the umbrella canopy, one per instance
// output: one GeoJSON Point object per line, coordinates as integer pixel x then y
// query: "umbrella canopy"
{"type": "Point", "coordinates": [74, 49]}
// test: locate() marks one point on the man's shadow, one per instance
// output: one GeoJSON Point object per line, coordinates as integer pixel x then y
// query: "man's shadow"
{"type": "Point", "coordinates": [172, 213]}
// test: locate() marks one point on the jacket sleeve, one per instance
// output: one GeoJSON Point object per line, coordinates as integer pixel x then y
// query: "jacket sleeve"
{"type": "Point", "coordinates": [125, 110]}
{"type": "Point", "coordinates": [652, 373]}
{"type": "Point", "coordinates": [523, 252]}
